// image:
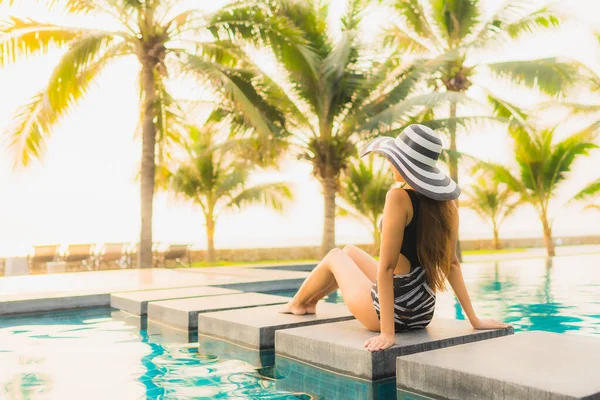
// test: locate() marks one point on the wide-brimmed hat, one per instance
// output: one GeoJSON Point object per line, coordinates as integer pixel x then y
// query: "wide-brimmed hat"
{"type": "Point", "coordinates": [414, 153]}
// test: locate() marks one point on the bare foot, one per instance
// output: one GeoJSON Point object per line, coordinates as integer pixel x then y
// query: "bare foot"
{"type": "Point", "coordinates": [311, 308]}
{"type": "Point", "coordinates": [292, 308]}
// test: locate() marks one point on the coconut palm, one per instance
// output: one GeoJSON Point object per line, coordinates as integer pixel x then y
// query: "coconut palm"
{"type": "Point", "coordinates": [588, 193]}
{"type": "Point", "coordinates": [363, 189]}
{"type": "Point", "coordinates": [492, 201]}
{"type": "Point", "coordinates": [543, 164]}
{"type": "Point", "coordinates": [215, 178]}
{"type": "Point", "coordinates": [344, 89]}
{"type": "Point", "coordinates": [167, 39]}
{"type": "Point", "coordinates": [461, 31]}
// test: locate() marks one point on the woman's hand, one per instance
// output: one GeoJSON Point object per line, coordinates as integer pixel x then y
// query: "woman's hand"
{"type": "Point", "coordinates": [381, 342]}
{"type": "Point", "coordinates": [488, 323]}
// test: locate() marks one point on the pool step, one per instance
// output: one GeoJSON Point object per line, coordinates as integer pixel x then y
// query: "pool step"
{"type": "Point", "coordinates": [183, 313]}
{"type": "Point", "coordinates": [256, 327]}
{"type": "Point", "coordinates": [254, 279]}
{"type": "Point", "coordinates": [137, 302]}
{"type": "Point", "coordinates": [339, 346]}
{"type": "Point", "coordinates": [528, 365]}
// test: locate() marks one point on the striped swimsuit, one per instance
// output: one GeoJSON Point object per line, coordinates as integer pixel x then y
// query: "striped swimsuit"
{"type": "Point", "coordinates": [414, 301]}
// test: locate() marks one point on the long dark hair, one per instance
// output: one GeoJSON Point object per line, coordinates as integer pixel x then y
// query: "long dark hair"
{"type": "Point", "coordinates": [434, 239]}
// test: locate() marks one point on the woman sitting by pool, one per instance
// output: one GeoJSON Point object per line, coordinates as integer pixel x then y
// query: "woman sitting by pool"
{"type": "Point", "coordinates": [419, 231]}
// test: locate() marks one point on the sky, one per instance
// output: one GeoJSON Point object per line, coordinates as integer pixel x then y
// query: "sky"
{"type": "Point", "coordinates": [84, 189]}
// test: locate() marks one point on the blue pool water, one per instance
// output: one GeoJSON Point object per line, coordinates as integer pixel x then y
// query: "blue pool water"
{"type": "Point", "coordinates": [107, 354]}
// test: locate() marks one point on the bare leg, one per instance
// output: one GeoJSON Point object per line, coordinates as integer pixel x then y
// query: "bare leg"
{"type": "Point", "coordinates": [354, 284]}
{"type": "Point", "coordinates": [365, 262]}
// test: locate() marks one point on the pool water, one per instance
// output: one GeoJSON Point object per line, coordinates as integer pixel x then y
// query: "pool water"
{"type": "Point", "coordinates": [559, 295]}
{"type": "Point", "coordinates": [103, 353]}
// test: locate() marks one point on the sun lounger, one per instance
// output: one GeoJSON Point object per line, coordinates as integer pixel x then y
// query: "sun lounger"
{"type": "Point", "coordinates": [115, 253]}
{"type": "Point", "coordinates": [43, 254]}
{"type": "Point", "coordinates": [81, 253]}
{"type": "Point", "coordinates": [175, 252]}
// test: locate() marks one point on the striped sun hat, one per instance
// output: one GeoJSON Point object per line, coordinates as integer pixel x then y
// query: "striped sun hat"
{"type": "Point", "coordinates": [414, 153]}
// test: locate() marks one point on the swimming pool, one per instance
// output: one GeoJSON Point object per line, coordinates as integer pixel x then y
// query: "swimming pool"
{"type": "Point", "coordinates": [560, 295]}
{"type": "Point", "coordinates": [103, 353]}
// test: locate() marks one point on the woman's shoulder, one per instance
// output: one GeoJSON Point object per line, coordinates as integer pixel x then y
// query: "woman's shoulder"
{"type": "Point", "coordinates": [399, 199]}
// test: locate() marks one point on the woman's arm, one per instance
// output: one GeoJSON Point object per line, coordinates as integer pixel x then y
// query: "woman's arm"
{"type": "Point", "coordinates": [395, 214]}
{"type": "Point", "coordinates": [456, 280]}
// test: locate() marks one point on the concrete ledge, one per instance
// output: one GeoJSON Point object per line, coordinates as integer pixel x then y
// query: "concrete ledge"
{"type": "Point", "coordinates": [528, 365]}
{"type": "Point", "coordinates": [227, 350]}
{"type": "Point", "coordinates": [339, 346]}
{"type": "Point", "coordinates": [256, 327]}
{"type": "Point", "coordinates": [290, 267]}
{"type": "Point", "coordinates": [265, 286]}
{"type": "Point", "coordinates": [183, 313]}
{"type": "Point", "coordinates": [137, 302]}
{"type": "Point", "coordinates": [297, 377]}
{"type": "Point", "coordinates": [58, 302]}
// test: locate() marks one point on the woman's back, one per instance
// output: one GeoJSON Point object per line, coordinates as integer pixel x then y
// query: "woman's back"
{"type": "Point", "coordinates": [409, 242]}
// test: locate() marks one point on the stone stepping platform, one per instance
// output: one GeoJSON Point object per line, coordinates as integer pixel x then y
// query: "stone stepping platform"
{"type": "Point", "coordinates": [53, 302]}
{"type": "Point", "coordinates": [251, 279]}
{"type": "Point", "coordinates": [339, 346]}
{"type": "Point", "coordinates": [137, 302]}
{"type": "Point", "coordinates": [183, 313]}
{"type": "Point", "coordinates": [256, 327]}
{"type": "Point", "coordinates": [297, 377]}
{"type": "Point", "coordinates": [230, 351]}
{"type": "Point", "coordinates": [528, 365]}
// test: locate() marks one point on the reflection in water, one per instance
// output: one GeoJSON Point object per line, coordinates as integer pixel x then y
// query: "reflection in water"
{"type": "Point", "coordinates": [41, 357]}
{"type": "Point", "coordinates": [102, 353]}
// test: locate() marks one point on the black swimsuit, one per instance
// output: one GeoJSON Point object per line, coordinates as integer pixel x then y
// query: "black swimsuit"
{"type": "Point", "coordinates": [414, 301]}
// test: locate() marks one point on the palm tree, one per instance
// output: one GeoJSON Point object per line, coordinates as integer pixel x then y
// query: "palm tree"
{"type": "Point", "coordinates": [362, 195]}
{"type": "Point", "coordinates": [460, 30]}
{"type": "Point", "coordinates": [344, 89]}
{"type": "Point", "coordinates": [492, 201]}
{"type": "Point", "coordinates": [215, 178]}
{"type": "Point", "coordinates": [166, 39]}
{"type": "Point", "coordinates": [543, 163]}
{"type": "Point", "coordinates": [588, 193]}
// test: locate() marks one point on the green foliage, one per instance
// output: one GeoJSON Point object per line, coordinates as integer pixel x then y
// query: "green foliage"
{"type": "Point", "coordinates": [490, 199]}
{"type": "Point", "coordinates": [363, 191]}
{"type": "Point", "coordinates": [164, 43]}
{"type": "Point", "coordinates": [543, 163]}
{"type": "Point", "coordinates": [589, 193]}
{"type": "Point", "coordinates": [215, 176]}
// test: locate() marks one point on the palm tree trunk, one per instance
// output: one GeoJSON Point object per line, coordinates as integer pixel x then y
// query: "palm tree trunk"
{"type": "Point", "coordinates": [376, 236]}
{"type": "Point", "coordinates": [329, 190]}
{"type": "Point", "coordinates": [548, 236]}
{"type": "Point", "coordinates": [453, 164]}
{"type": "Point", "coordinates": [148, 165]}
{"type": "Point", "coordinates": [210, 235]}
{"type": "Point", "coordinates": [496, 240]}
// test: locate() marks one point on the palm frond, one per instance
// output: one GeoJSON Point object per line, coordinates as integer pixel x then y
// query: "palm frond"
{"type": "Point", "coordinates": [416, 19]}
{"type": "Point", "coordinates": [588, 192]}
{"type": "Point", "coordinates": [277, 25]}
{"type": "Point", "coordinates": [398, 113]}
{"type": "Point", "coordinates": [502, 174]}
{"type": "Point", "coordinates": [404, 40]}
{"type": "Point", "coordinates": [514, 19]}
{"type": "Point", "coordinates": [236, 86]}
{"type": "Point", "coordinates": [81, 54]}
{"type": "Point", "coordinates": [456, 19]}
{"type": "Point", "coordinates": [273, 195]}
{"type": "Point", "coordinates": [565, 153]}
{"type": "Point", "coordinates": [20, 38]}
{"type": "Point", "coordinates": [552, 76]}
{"type": "Point", "coordinates": [34, 121]}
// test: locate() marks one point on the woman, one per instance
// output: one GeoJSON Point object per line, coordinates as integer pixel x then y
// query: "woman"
{"type": "Point", "coordinates": [419, 231]}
